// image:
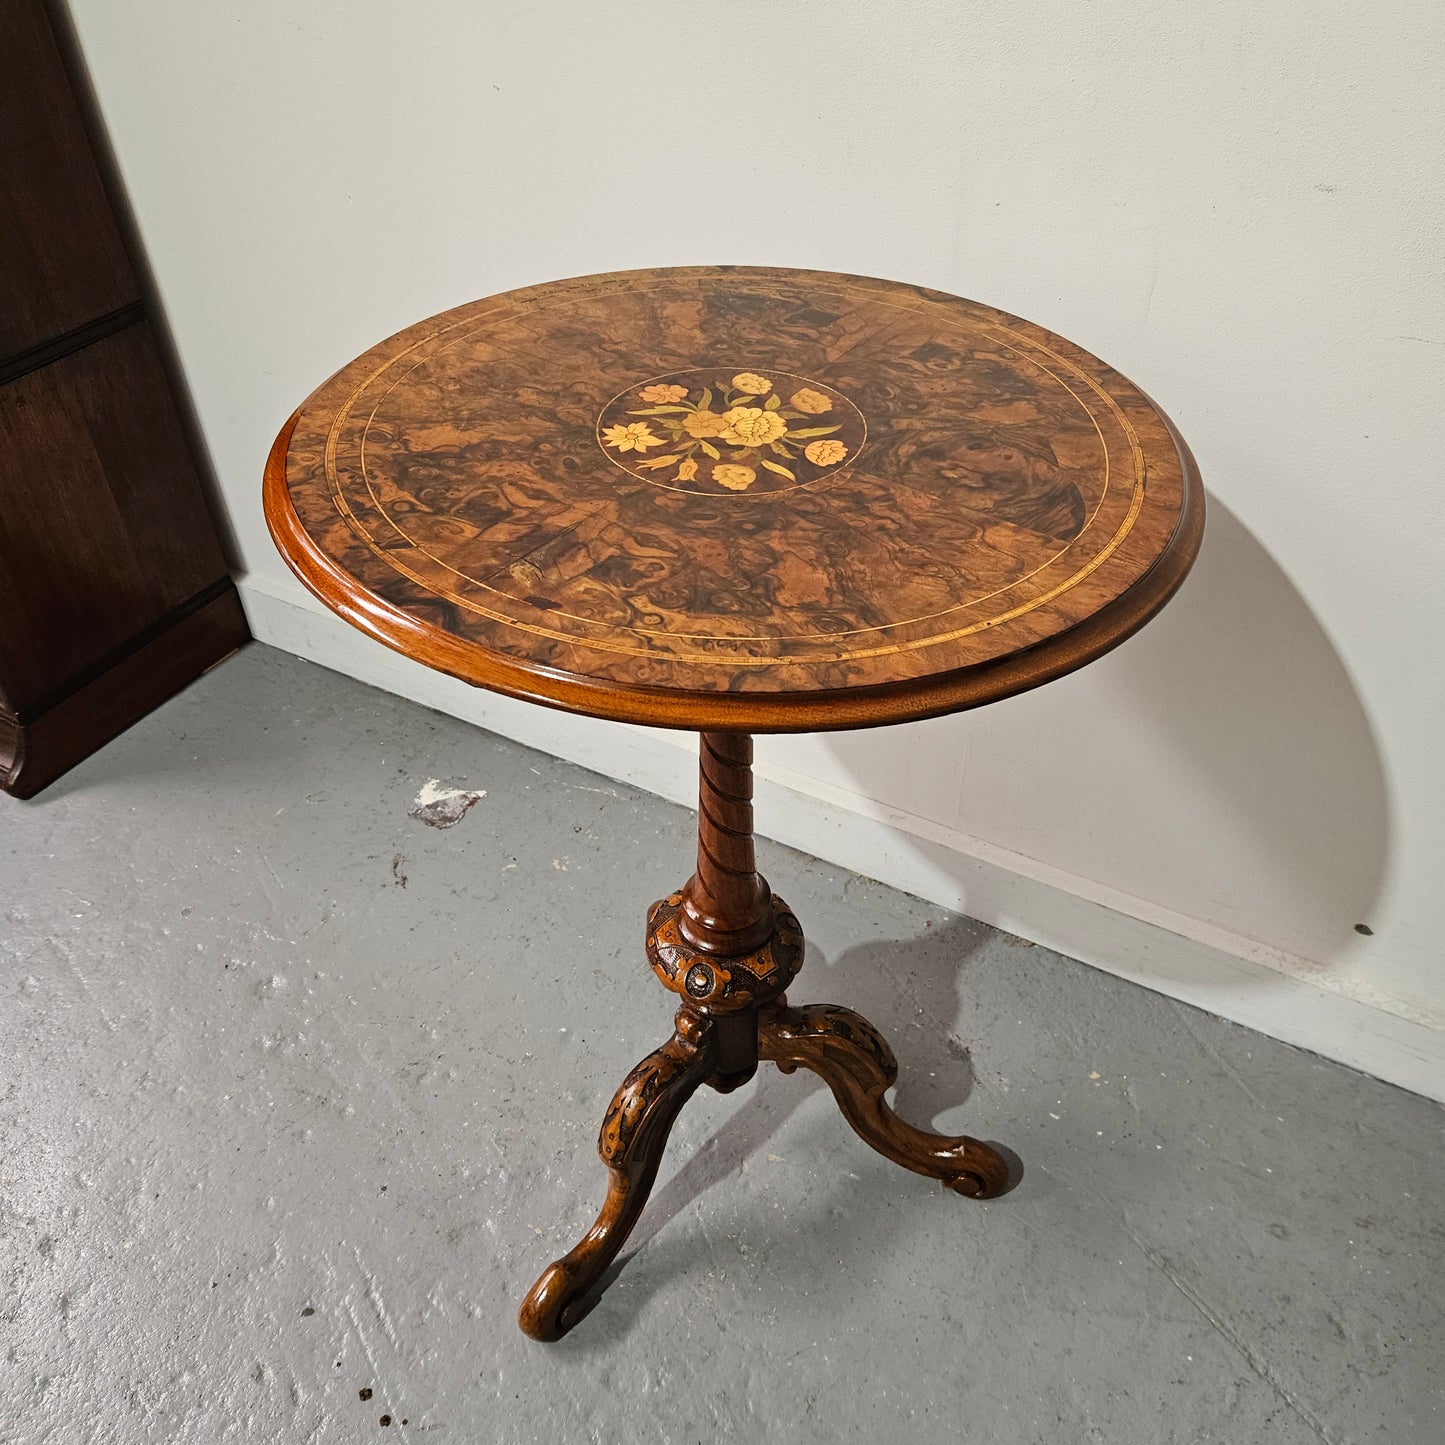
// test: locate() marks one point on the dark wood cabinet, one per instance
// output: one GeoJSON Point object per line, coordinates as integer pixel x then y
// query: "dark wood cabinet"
{"type": "Point", "coordinates": [113, 589]}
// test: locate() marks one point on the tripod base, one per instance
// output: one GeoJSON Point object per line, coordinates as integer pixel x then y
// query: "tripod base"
{"type": "Point", "coordinates": [733, 1015]}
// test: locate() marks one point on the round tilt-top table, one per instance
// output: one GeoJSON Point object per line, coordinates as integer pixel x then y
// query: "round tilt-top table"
{"type": "Point", "coordinates": [736, 500]}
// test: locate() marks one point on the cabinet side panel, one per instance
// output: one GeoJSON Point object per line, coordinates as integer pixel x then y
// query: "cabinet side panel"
{"type": "Point", "coordinates": [63, 262]}
{"type": "Point", "coordinates": [103, 528]}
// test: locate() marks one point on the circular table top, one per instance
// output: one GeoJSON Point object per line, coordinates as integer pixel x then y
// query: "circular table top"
{"type": "Point", "coordinates": [737, 498]}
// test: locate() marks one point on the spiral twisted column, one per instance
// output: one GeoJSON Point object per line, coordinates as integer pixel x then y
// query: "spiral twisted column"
{"type": "Point", "coordinates": [726, 905]}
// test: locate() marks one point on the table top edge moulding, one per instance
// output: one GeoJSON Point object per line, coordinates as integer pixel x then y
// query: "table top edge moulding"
{"type": "Point", "coordinates": [1047, 455]}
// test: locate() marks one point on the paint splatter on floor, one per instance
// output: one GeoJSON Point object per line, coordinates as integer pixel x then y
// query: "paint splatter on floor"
{"type": "Point", "coordinates": [440, 807]}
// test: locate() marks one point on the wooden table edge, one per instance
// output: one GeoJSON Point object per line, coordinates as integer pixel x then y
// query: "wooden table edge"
{"type": "Point", "coordinates": [694, 710]}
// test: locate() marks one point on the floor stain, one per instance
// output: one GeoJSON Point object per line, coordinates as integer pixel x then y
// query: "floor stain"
{"type": "Point", "coordinates": [443, 807]}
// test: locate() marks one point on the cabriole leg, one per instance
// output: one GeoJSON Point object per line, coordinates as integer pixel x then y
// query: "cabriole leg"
{"type": "Point", "coordinates": [634, 1135]}
{"type": "Point", "coordinates": [855, 1062]}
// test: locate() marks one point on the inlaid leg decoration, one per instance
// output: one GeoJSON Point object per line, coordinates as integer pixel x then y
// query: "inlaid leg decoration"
{"type": "Point", "coordinates": [634, 1135]}
{"type": "Point", "coordinates": [854, 1060]}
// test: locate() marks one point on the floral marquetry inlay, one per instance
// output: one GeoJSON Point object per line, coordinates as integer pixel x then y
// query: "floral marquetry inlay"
{"type": "Point", "coordinates": [724, 431]}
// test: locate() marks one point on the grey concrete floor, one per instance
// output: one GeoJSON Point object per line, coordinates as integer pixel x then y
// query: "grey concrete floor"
{"type": "Point", "coordinates": [298, 1094]}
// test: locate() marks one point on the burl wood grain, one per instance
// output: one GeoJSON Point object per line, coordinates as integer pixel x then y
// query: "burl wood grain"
{"type": "Point", "coordinates": [737, 498]}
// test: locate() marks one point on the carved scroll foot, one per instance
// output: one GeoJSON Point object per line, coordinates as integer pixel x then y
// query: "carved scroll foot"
{"type": "Point", "coordinates": [634, 1135]}
{"type": "Point", "coordinates": [854, 1060]}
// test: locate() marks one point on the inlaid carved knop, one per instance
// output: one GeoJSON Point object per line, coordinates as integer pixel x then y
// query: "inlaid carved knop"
{"type": "Point", "coordinates": [719, 984]}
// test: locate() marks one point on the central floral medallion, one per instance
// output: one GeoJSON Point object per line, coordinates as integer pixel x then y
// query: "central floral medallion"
{"type": "Point", "coordinates": [722, 431]}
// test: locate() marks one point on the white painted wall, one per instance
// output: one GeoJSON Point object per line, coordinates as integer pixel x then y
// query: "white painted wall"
{"type": "Point", "coordinates": [1239, 205]}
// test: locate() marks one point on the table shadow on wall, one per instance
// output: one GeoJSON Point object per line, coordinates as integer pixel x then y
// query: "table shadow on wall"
{"type": "Point", "coordinates": [1239, 688]}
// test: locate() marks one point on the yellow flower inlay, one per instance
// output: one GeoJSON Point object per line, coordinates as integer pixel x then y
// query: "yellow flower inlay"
{"type": "Point", "coordinates": [736, 479]}
{"type": "Point", "coordinates": [707, 429]}
{"type": "Point", "coordinates": [704, 424]}
{"type": "Point", "coordinates": [826, 453]}
{"type": "Point", "coordinates": [663, 393]}
{"type": "Point", "coordinates": [812, 402]}
{"type": "Point", "coordinates": [635, 437]}
{"type": "Point", "coordinates": [752, 426]}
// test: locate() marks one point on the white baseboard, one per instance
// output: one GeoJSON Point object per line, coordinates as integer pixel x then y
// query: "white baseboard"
{"type": "Point", "coordinates": [1231, 976]}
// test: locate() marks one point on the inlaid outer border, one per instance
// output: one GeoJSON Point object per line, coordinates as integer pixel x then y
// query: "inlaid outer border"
{"type": "Point", "coordinates": [694, 710]}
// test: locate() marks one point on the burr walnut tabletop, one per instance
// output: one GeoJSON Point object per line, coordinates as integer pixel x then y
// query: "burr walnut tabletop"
{"type": "Point", "coordinates": [736, 500]}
